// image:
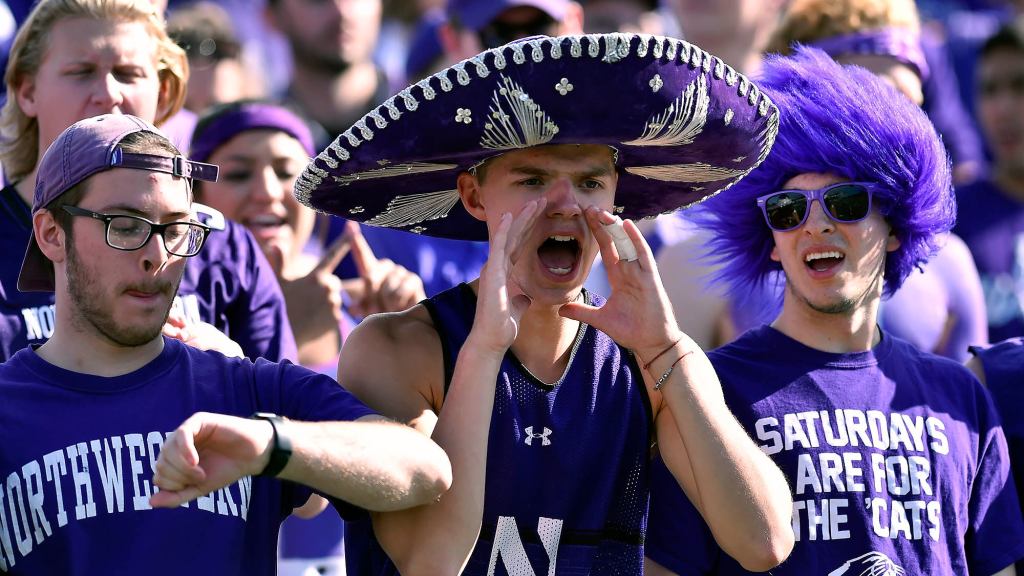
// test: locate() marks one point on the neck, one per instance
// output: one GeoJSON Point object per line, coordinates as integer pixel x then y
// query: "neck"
{"type": "Point", "coordinates": [856, 331]}
{"type": "Point", "coordinates": [334, 100]}
{"type": "Point", "coordinates": [85, 351]}
{"type": "Point", "coordinates": [544, 342]}
{"type": "Point", "coordinates": [26, 187]}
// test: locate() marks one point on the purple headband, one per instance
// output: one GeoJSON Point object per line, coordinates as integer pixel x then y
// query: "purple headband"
{"type": "Point", "coordinates": [252, 116]}
{"type": "Point", "coordinates": [902, 44]}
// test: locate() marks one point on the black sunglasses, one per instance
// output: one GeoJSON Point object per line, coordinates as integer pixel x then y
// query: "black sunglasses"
{"type": "Point", "coordinates": [846, 202]}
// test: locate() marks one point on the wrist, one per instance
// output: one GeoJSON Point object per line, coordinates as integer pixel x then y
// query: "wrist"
{"type": "Point", "coordinates": [277, 449]}
{"type": "Point", "coordinates": [648, 355]}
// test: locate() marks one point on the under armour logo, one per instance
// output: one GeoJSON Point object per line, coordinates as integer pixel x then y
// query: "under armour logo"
{"type": "Point", "coordinates": [543, 436]}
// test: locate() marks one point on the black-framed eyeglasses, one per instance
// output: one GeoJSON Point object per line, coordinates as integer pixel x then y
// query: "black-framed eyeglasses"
{"type": "Point", "coordinates": [125, 232]}
{"type": "Point", "coordinates": [846, 202]}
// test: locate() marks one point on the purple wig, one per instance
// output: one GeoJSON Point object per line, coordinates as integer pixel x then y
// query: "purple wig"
{"type": "Point", "coordinates": [845, 121]}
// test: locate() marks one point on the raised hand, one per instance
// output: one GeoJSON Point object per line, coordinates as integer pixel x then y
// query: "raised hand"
{"type": "Point", "coordinates": [638, 314]}
{"type": "Point", "coordinates": [500, 301]}
{"type": "Point", "coordinates": [382, 286]}
{"type": "Point", "coordinates": [314, 298]}
{"type": "Point", "coordinates": [208, 452]}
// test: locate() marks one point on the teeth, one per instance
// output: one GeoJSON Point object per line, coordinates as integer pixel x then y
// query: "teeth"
{"type": "Point", "coordinates": [562, 238]}
{"type": "Point", "coordinates": [820, 255]}
{"type": "Point", "coordinates": [559, 271]}
{"type": "Point", "coordinates": [265, 219]}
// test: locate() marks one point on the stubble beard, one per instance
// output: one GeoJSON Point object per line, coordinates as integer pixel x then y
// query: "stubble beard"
{"type": "Point", "coordinates": [89, 311]}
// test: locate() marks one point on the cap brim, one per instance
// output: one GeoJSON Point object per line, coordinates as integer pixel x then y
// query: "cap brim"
{"type": "Point", "coordinates": [36, 271]}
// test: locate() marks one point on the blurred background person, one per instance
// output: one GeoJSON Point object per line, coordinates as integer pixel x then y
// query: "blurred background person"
{"type": "Point", "coordinates": [991, 210]}
{"type": "Point", "coordinates": [219, 70]}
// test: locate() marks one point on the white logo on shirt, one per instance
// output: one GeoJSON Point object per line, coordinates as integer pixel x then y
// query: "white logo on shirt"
{"type": "Point", "coordinates": [530, 436]}
{"type": "Point", "coordinates": [871, 563]}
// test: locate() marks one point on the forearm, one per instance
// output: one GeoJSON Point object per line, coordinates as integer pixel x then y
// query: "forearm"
{"type": "Point", "coordinates": [439, 538]}
{"type": "Point", "coordinates": [378, 466]}
{"type": "Point", "coordinates": [743, 496]}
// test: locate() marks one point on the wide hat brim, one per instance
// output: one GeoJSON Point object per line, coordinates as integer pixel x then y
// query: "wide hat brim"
{"type": "Point", "coordinates": [686, 127]}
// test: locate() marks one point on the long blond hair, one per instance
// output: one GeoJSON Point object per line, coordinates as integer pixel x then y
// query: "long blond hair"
{"type": "Point", "coordinates": [807, 21]}
{"type": "Point", "coordinates": [19, 134]}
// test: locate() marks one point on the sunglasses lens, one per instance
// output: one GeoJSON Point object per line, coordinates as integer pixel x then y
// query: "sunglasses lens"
{"type": "Point", "coordinates": [786, 210]}
{"type": "Point", "coordinates": [848, 202]}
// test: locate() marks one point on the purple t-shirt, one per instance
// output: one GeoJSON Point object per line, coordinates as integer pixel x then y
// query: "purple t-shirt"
{"type": "Point", "coordinates": [992, 225]}
{"type": "Point", "coordinates": [229, 284]}
{"type": "Point", "coordinates": [895, 457]}
{"type": "Point", "coordinates": [75, 496]}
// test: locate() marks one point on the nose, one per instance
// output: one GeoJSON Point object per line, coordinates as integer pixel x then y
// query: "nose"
{"type": "Point", "coordinates": [106, 93]}
{"type": "Point", "coordinates": [818, 222]}
{"type": "Point", "coordinates": [267, 188]}
{"type": "Point", "coordinates": [154, 254]}
{"type": "Point", "coordinates": [562, 199]}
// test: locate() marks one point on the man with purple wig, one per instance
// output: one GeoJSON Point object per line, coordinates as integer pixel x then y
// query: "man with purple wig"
{"type": "Point", "coordinates": [896, 457]}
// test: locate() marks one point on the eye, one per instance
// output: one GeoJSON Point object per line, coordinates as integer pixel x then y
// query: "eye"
{"type": "Point", "coordinates": [129, 73]}
{"type": "Point", "coordinates": [237, 176]}
{"type": "Point", "coordinates": [532, 181]}
{"type": "Point", "coordinates": [592, 184]}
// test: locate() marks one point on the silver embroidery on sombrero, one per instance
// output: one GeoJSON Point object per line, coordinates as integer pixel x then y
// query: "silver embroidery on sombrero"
{"type": "Point", "coordinates": [340, 152]}
{"type": "Point", "coordinates": [556, 50]}
{"type": "Point", "coordinates": [682, 121]}
{"type": "Point", "coordinates": [670, 51]}
{"type": "Point", "coordinates": [643, 45]}
{"type": "Point", "coordinates": [575, 46]}
{"type": "Point", "coordinates": [416, 208]}
{"type": "Point", "coordinates": [500, 132]}
{"type": "Point", "coordinates": [393, 111]}
{"type": "Point", "coordinates": [378, 119]}
{"type": "Point", "coordinates": [728, 116]}
{"type": "Point", "coordinates": [593, 46]}
{"type": "Point", "coordinates": [391, 171]}
{"type": "Point", "coordinates": [696, 172]}
{"type": "Point", "coordinates": [616, 47]}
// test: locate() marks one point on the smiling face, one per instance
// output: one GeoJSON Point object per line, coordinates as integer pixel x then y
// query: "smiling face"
{"type": "Point", "coordinates": [557, 254]}
{"type": "Point", "coordinates": [832, 267]}
{"type": "Point", "coordinates": [92, 67]}
{"type": "Point", "coordinates": [257, 179]}
{"type": "Point", "coordinates": [123, 297]}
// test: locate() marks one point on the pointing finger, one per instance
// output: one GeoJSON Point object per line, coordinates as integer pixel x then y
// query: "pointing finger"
{"type": "Point", "coordinates": [361, 251]}
{"type": "Point", "coordinates": [334, 254]}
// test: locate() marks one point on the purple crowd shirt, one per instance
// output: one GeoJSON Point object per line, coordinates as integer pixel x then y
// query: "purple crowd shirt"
{"type": "Point", "coordinates": [992, 225]}
{"type": "Point", "coordinates": [896, 459]}
{"type": "Point", "coordinates": [229, 284]}
{"type": "Point", "coordinates": [75, 496]}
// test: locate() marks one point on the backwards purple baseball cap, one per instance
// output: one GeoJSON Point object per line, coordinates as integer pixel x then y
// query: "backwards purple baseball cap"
{"type": "Point", "coordinates": [475, 14]}
{"type": "Point", "coordinates": [83, 149]}
{"type": "Point", "coordinates": [683, 124]}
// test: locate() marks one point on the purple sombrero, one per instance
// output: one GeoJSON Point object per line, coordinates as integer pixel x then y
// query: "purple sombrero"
{"type": "Point", "coordinates": [686, 126]}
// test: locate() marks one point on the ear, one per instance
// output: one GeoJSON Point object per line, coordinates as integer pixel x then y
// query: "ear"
{"type": "Point", "coordinates": [49, 236]}
{"type": "Point", "coordinates": [270, 17]}
{"type": "Point", "coordinates": [572, 23]}
{"type": "Point", "coordinates": [892, 242]}
{"type": "Point", "coordinates": [775, 253]}
{"type": "Point", "coordinates": [469, 192]}
{"type": "Point", "coordinates": [26, 94]}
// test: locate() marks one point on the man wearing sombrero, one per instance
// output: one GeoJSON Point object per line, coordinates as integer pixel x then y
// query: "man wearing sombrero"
{"type": "Point", "coordinates": [546, 397]}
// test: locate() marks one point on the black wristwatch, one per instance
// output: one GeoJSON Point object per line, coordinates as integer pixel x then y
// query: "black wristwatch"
{"type": "Point", "coordinates": [281, 450]}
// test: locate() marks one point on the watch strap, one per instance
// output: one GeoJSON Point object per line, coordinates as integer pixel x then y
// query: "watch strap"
{"type": "Point", "coordinates": [281, 445]}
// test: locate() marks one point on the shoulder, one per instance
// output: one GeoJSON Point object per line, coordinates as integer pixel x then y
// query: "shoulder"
{"type": "Point", "coordinates": [393, 362]}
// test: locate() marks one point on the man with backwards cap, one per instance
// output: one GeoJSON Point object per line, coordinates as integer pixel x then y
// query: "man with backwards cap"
{"type": "Point", "coordinates": [86, 414]}
{"type": "Point", "coordinates": [546, 397]}
{"type": "Point", "coordinates": [896, 456]}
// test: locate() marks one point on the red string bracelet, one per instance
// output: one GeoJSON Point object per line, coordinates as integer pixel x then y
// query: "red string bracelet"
{"type": "Point", "coordinates": [657, 385]}
{"type": "Point", "coordinates": [647, 367]}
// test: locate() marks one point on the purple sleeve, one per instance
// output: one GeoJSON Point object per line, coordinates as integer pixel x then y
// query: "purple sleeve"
{"type": "Point", "coordinates": [995, 536]}
{"type": "Point", "coordinates": [258, 316]}
{"type": "Point", "coordinates": [677, 536]}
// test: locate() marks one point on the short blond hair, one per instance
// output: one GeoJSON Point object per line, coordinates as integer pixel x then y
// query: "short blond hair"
{"type": "Point", "coordinates": [19, 134]}
{"type": "Point", "coordinates": [808, 21]}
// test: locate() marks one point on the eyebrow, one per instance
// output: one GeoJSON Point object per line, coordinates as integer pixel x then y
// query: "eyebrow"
{"type": "Point", "coordinates": [527, 170]}
{"type": "Point", "coordinates": [136, 212]}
